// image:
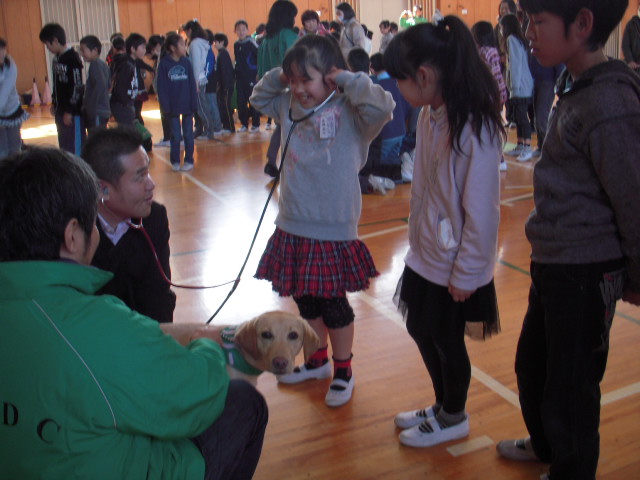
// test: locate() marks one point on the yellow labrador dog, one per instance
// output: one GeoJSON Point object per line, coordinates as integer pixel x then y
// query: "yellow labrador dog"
{"type": "Point", "coordinates": [269, 342]}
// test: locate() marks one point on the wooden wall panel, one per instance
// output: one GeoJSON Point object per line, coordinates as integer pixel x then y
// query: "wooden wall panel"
{"type": "Point", "coordinates": [164, 17]}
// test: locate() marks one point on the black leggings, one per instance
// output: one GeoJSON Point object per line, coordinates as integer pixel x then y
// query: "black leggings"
{"type": "Point", "coordinates": [520, 113]}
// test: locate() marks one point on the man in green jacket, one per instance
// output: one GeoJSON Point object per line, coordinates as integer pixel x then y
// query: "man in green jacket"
{"type": "Point", "coordinates": [88, 387]}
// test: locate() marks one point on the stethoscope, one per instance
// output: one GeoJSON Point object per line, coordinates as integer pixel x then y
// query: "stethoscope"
{"type": "Point", "coordinates": [139, 227]}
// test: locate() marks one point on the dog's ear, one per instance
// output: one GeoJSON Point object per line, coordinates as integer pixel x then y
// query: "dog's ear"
{"type": "Point", "coordinates": [246, 338]}
{"type": "Point", "coordinates": [311, 342]}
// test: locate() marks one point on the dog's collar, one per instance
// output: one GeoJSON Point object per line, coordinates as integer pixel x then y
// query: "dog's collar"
{"type": "Point", "coordinates": [233, 354]}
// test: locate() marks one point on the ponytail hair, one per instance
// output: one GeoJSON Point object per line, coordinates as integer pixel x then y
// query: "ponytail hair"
{"type": "Point", "coordinates": [196, 30]}
{"type": "Point", "coordinates": [469, 90]}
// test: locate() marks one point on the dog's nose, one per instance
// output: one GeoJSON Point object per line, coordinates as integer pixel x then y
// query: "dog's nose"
{"type": "Point", "coordinates": [280, 363]}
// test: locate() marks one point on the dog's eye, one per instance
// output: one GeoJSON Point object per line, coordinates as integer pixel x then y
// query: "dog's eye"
{"type": "Point", "coordinates": [267, 335]}
{"type": "Point", "coordinates": [293, 335]}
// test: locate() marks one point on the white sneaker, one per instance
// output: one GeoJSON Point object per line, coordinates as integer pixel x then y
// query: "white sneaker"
{"type": "Point", "coordinates": [219, 134]}
{"type": "Point", "coordinates": [388, 183]}
{"type": "Point", "coordinates": [202, 138]}
{"type": "Point", "coordinates": [526, 154]}
{"type": "Point", "coordinates": [336, 397]}
{"type": "Point", "coordinates": [516, 151]}
{"type": "Point", "coordinates": [267, 126]}
{"type": "Point", "coordinates": [302, 373]}
{"type": "Point", "coordinates": [503, 166]}
{"type": "Point", "coordinates": [377, 183]}
{"type": "Point", "coordinates": [175, 167]}
{"type": "Point", "coordinates": [226, 132]}
{"type": "Point", "coordinates": [162, 143]}
{"type": "Point", "coordinates": [412, 418]}
{"type": "Point", "coordinates": [254, 129]}
{"type": "Point", "coordinates": [243, 129]}
{"type": "Point", "coordinates": [187, 167]}
{"type": "Point", "coordinates": [419, 436]}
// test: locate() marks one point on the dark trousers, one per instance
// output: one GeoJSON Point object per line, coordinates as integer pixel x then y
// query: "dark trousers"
{"type": "Point", "coordinates": [93, 124]}
{"type": "Point", "coordinates": [70, 137]}
{"type": "Point", "coordinates": [231, 447]}
{"type": "Point", "coordinates": [181, 130]}
{"type": "Point", "coordinates": [166, 125]}
{"type": "Point", "coordinates": [521, 117]}
{"type": "Point", "coordinates": [438, 330]}
{"type": "Point", "coordinates": [125, 114]}
{"type": "Point", "coordinates": [226, 111]}
{"type": "Point", "coordinates": [244, 90]}
{"type": "Point", "coordinates": [543, 96]}
{"type": "Point", "coordinates": [561, 358]}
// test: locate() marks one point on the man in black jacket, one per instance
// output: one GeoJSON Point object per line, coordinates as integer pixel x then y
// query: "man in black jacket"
{"type": "Point", "coordinates": [122, 167]}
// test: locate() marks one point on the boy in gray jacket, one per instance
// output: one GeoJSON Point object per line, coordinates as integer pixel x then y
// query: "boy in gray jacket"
{"type": "Point", "coordinates": [584, 235]}
{"type": "Point", "coordinates": [95, 106]}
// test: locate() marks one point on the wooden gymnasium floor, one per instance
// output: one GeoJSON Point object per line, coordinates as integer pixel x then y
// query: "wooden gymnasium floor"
{"type": "Point", "coordinates": [213, 213]}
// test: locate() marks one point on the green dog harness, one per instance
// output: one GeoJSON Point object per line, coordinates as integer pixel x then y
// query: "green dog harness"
{"type": "Point", "coordinates": [233, 354]}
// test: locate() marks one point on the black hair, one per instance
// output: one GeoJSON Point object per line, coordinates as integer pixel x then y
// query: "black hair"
{"type": "Point", "coordinates": [51, 31]}
{"type": "Point", "coordinates": [260, 28]}
{"type": "Point", "coordinates": [154, 41]}
{"type": "Point", "coordinates": [606, 15]}
{"type": "Point", "coordinates": [133, 41]}
{"type": "Point", "coordinates": [221, 37]}
{"type": "Point", "coordinates": [241, 22]}
{"type": "Point", "coordinates": [170, 41]}
{"type": "Point", "coordinates": [115, 35]}
{"type": "Point", "coordinates": [316, 51]}
{"type": "Point", "coordinates": [393, 26]}
{"type": "Point", "coordinates": [468, 88]}
{"type": "Point", "coordinates": [358, 60]}
{"type": "Point", "coordinates": [377, 62]}
{"type": "Point", "coordinates": [326, 24]}
{"type": "Point", "coordinates": [196, 30]}
{"type": "Point", "coordinates": [282, 14]}
{"type": "Point", "coordinates": [484, 35]}
{"type": "Point", "coordinates": [333, 25]}
{"type": "Point", "coordinates": [210, 36]}
{"type": "Point", "coordinates": [92, 42]}
{"type": "Point", "coordinates": [118, 43]}
{"type": "Point", "coordinates": [513, 8]}
{"type": "Point", "coordinates": [309, 15]}
{"type": "Point", "coordinates": [41, 190]}
{"type": "Point", "coordinates": [385, 24]}
{"type": "Point", "coordinates": [3, 44]}
{"type": "Point", "coordinates": [347, 10]}
{"type": "Point", "coordinates": [511, 26]}
{"type": "Point", "coordinates": [103, 149]}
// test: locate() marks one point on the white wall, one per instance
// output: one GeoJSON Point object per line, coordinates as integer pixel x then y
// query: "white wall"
{"type": "Point", "coordinates": [372, 12]}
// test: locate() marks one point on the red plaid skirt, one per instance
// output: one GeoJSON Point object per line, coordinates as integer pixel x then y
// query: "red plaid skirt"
{"type": "Point", "coordinates": [298, 266]}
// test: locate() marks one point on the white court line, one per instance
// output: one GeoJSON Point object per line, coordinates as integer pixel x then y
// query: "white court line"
{"type": "Point", "coordinates": [470, 446]}
{"type": "Point", "coordinates": [621, 393]}
{"type": "Point", "coordinates": [509, 201]}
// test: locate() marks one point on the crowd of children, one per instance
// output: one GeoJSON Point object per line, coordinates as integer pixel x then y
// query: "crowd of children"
{"type": "Point", "coordinates": [345, 120]}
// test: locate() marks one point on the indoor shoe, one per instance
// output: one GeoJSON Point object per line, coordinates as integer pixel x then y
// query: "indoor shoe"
{"type": "Point", "coordinates": [516, 151]}
{"type": "Point", "coordinates": [339, 392]}
{"type": "Point", "coordinates": [377, 184]}
{"type": "Point", "coordinates": [175, 167]}
{"type": "Point", "coordinates": [242, 129]}
{"type": "Point", "coordinates": [162, 143]}
{"type": "Point", "coordinates": [271, 170]}
{"type": "Point", "coordinates": [388, 183]}
{"type": "Point", "coordinates": [412, 418]}
{"type": "Point", "coordinates": [419, 436]}
{"type": "Point", "coordinates": [267, 126]}
{"type": "Point", "coordinates": [519, 449]}
{"type": "Point", "coordinates": [254, 129]}
{"type": "Point", "coordinates": [526, 154]}
{"type": "Point", "coordinates": [503, 166]}
{"type": "Point", "coordinates": [302, 373]}
{"type": "Point", "coordinates": [187, 167]}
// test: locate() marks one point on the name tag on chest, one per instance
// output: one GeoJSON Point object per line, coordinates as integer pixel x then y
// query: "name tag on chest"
{"type": "Point", "coordinates": [327, 125]}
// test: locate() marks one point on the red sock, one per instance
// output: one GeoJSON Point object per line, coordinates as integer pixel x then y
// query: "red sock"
{"type": "Point", "coordinates": [319, 358]}
{"type": "Point", "coordinates": [342, 368]}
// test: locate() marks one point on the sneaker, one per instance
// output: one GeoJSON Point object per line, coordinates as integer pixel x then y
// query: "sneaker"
{"type": "Point", "coordinates": [516, 151]}
{"type": "Point", "coordinates": [226, 132]}
{"type": "Point", "coordinates": [175, 167]}
{"type": "Point", "coordinates": [503, 166]}
{"type": "Point", "coordinates": [243, 129]}
{"type": "Point", "coordinates": [201, 138]}
{"type": "Point", "coordinates": [267, 126]}
{"type": "Point", "coordinates": [377, 184]}
{"type": "Point", "coordinates": [388, 183]}
{"type": "Point", "coordinates": [420, 436]}
{"type": "Point", "coordinates": [412, 418]}
{"type": "Point", "coordinates": [519, 449]}
{"type": "Point", "coordinates": [526, 154]}
{"type": "Point", "coordinates": [339, 392]}
{"type": "Point", "coordinates": [254, 129]}
{"type": "Point", "coordinates": [162, 143]}
{"type": "Point", "coordinates": [219, 134]}
{"type": "Point", "coordinates": [271, 170]}
{"type": "Point", "coordinates": [187, 167]}
{"type": "Point", "coordinates": [537, 152]}
{"type": "Point", "coordinates": [302, 373]}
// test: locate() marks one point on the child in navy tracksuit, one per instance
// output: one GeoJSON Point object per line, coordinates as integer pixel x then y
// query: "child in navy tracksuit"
{"type": "Point", "coordinates": [178, 97]}
{"type": "Point", "coordinates": [225, 79]}
{"type": "Point", "coordinates": [245, 51]}
{"type": "Point", "coordinates": [67, 88]}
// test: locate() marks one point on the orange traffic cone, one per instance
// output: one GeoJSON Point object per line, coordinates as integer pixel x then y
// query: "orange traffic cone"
{"type": "Point", "coordinates": [46, 95]}
{"type": "Point", "coordinates": [35, 96]}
